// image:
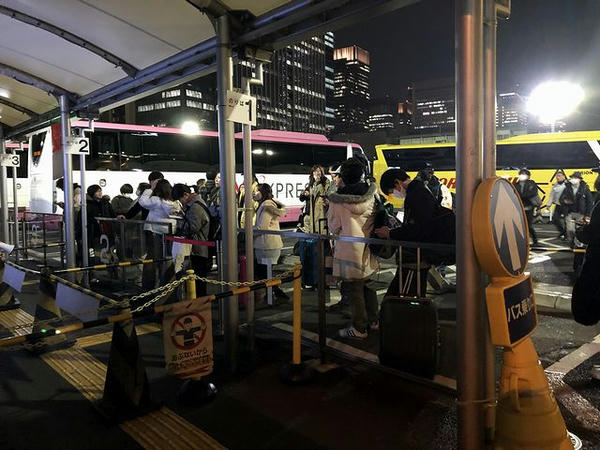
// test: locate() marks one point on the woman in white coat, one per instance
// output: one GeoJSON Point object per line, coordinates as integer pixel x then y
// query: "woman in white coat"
{"type": "Point", "coordinates": [160, 205]}
{"type": "Point", "coordinates": [267, 247]}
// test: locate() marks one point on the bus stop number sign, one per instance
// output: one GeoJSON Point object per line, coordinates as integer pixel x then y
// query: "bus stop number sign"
{"type": "Point", "coordinates": [501, 241]}
{"type": "Point", "coordinates": [7, 160]}
{"type": "Point", "coordinates": [240, 108]}
{"type": "Point", "coordinates": [78, 146]}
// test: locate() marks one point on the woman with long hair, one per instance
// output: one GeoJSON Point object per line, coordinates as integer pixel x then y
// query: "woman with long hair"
{"type": "Point", "coordinates": [315, 196]}
{"type": "Point", "coordinates": [267, 247]}
{"type": "Point", "coordinates": [160, 205]}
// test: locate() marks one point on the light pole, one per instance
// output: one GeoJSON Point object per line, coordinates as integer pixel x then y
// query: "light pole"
{"type": "Point", "coordinates": [552, 101]}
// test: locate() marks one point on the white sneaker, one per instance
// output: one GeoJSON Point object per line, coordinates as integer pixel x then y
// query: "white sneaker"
{"type": "Point", "coordinates": [353, 333]}
{"type": "Point", "coordinates": [595, 372]}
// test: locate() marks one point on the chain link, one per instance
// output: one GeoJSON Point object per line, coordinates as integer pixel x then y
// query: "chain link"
{"type": "Point", "coordinates": [163, 291]}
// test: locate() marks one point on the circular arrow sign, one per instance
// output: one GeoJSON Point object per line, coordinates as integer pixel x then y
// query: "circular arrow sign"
{"type": "Point", "coordinates": [500, 233]}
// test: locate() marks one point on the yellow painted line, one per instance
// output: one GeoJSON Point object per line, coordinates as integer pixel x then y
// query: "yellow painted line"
{"type": "Point", "coordinates": [162, 429]}
{"type": "Point", "coordinates": [102, 338]}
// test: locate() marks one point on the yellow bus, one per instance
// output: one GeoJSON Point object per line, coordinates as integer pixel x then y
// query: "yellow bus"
{"type": "Point", "coordinates": [543, 154]}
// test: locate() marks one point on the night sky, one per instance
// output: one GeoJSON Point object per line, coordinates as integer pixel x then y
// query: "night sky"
{"type": "Point", "coordinates": [542, 40]}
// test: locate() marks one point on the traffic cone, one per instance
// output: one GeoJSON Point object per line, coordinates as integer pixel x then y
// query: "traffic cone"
{"type": "Point", "coordinates": [46, 309]}
{"type": "Point", "coordinates": [126, 389]}
{"type": "Point", "coordinates": [7, 298]}
{"type": "Point", "coordinates": [527, 416]}
{"type": "Point", "coordinates": [7, 295]}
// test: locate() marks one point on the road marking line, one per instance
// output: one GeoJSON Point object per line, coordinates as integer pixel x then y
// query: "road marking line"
{"type": "Point", "coordinates": [162, 429]}
{"type": "Point", "coordinates": [586, 413]}
{"type": "Point", "coordinates": [357, 353]}
{"type": "Point", "coordinates": [102, 338]}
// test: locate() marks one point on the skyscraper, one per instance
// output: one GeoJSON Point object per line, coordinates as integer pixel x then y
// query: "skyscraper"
{"type": "Point", "coordinates": [297, 83]}
{"type": "Point", "coordinates": [352, 93]}
{"type": "Point", "coordinates": [433, 106]}
{"type": "Point", "coordinates": [511, 111]}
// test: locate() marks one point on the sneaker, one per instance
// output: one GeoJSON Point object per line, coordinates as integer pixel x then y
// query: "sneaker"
{"type": "Point", "coordinates": [562, 237]}
{"type": "Point", "coordinates": [352, 332]}
{"type": "Point", "coordinates": [595, 372]}
{"type": "Point", "coordinates": [374, 326]}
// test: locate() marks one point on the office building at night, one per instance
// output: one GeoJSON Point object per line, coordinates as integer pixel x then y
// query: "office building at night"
{"type": "Point", "coordinates": [297, 85]}
{"type": "Point", "coordinates": [433, 106]}
{"type": "Point", "coordinates": [511, 111]}
{"type": "Point", "coordinates": [352, 89]}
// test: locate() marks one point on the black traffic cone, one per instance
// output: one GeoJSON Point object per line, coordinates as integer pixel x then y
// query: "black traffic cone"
{"type": "Point", "coordinates": [7, 298]}
{"type": "Point", "coordinates": [127, 389]}
{"type": "Point", "coordinates": [46, 309]}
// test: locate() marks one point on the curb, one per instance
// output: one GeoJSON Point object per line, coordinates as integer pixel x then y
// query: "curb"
{"type": "Point", "coordinates": [553, 299]}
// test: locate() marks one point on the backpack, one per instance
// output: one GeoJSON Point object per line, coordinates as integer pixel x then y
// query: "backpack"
{"type": "Point", "coordinates": [214, 227]}
{"type": "Point", "coordinates": [384, 217]}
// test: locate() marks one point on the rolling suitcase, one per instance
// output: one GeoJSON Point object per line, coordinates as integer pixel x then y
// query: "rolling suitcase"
{"type": "Point", "coordinates": [309, 261]}
{"type": "Point", "coordinates": [409, 335]}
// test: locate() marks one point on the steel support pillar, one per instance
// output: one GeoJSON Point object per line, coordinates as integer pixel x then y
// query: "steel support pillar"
{"type": "Point", "coordinates": [15, 206]}
{"type": "Point", "coordinates": [65, 128]}
{"type": "Point", "coordinates": [228, 199]}
{"type": "Point", "coordinates": [469, 139]}
{"type": "Point", "coordinates": [4, 194]}
{"type": "Point", "coordinates": [489, 170]}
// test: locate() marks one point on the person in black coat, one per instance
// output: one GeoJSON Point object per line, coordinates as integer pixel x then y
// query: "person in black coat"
{"type": "Point", "coordinates": [425, 220]}
{"type": "Point", "coordinates": [578, 201]}
{"type": "Point", "coordinates": [528, 191]}
{"type": "Point", "coordinates": [96, 207]}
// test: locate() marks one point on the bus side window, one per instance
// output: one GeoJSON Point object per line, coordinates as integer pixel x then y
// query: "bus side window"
{"type": "Point", "coordinates": [327, 156]}
{"type": "Point", "coordinates": [547, 155]}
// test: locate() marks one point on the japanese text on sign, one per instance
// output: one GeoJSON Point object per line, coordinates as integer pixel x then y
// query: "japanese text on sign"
{"type": "Point", "coordinates": [240, 108]}
{"type": "Point", "coordinates": [78, 146]}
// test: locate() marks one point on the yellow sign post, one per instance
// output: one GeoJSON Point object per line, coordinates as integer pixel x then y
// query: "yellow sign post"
{"type": "Point", "coordinates": [527, 415]}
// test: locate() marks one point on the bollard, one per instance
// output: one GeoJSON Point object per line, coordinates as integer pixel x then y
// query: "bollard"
{"type": "Point", "coordinates": [527, 415]}
{"type": "Point", "coordinates": [195, 390]}
{"type": "Point", "coordinates": [297, 372]}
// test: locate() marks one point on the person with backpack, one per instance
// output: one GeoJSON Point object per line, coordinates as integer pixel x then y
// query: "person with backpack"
{"type": "Point", "coordinates": [425, 220]}
{"type": "Point", "coordinates": [195, 225]}
{"type": "Point", "coordinates": [351, 213]}
{"type": "Point", "coordinates": [123, 202]}
{"type": "Point", "coordinates": [559, 213]}
{"type": "Point", "coordinates": [438, 189]}
{"type": "Point", "coordinates": [578, 201]}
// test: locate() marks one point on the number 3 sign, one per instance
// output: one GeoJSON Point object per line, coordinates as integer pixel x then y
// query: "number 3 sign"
{"type": "Point", "coordinates": [79, 146]}
{"type": "Point", "coordinates": [10, 160]}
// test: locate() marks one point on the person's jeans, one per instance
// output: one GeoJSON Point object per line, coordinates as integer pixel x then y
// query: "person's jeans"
{"type": "Point", "coordinates": [558, 219]}
{"type": "Point", "coordinates": [363, 300]}
{"type": "Point", "coordinates": [571, 226]}
{"type": "Point", "coordinates": [532, 233]}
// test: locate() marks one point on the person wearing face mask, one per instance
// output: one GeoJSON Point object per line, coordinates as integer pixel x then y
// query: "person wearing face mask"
{"type": "Point", "coordinates": [528, 191]}
{"type": "Point", "coordinates": [425, 220]}
{"type": "Point", "coordinates": [578, 201]}
{"type": "Point", "coordinates": [559, 213]}
{"type": "Point", "coordinates": [267, 247]}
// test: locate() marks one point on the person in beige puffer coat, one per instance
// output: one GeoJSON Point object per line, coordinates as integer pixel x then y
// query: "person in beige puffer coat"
{"type": "Point", "coordinates": [351, 213]}
{"type": "Point", "coordinates": [267, 247]}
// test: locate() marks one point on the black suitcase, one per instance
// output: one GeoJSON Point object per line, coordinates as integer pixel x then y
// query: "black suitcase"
{"type": "Point", "coordinates": [409, 335]}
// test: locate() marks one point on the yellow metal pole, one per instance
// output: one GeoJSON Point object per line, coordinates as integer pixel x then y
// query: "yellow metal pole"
{"type": "Point", "coordinates": [297, 323]}
{"type": "Point", "coordinates": [190, 285]}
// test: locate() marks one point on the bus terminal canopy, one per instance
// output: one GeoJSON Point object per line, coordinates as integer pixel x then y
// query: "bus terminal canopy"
{"type": "Point", "coordinates": [102, 54]}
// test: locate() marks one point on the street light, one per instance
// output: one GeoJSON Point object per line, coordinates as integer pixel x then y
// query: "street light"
{"type": "Point", "coordinates": [190, 128]}
{"type": "Point", "coordinates": [554, 100]}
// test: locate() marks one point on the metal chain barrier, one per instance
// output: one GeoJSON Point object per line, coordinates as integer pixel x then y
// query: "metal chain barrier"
{"type": "Point", "coordinates": [243, 283]}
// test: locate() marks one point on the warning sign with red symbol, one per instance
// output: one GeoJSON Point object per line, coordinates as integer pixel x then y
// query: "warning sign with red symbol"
{"type": "Point", "coordinates": [188, 339]}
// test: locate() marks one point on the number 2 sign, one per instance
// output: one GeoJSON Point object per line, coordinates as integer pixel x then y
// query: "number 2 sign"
{"type": "Point", "coordinates": [79, 146]}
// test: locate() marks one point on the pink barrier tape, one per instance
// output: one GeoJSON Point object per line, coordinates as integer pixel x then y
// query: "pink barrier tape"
{"type": "Point", "coordinates": [190, 241]}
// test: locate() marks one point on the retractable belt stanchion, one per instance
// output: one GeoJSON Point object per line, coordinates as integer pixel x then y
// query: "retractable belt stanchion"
{"type": "Point", "coordinates": [296, 372]}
